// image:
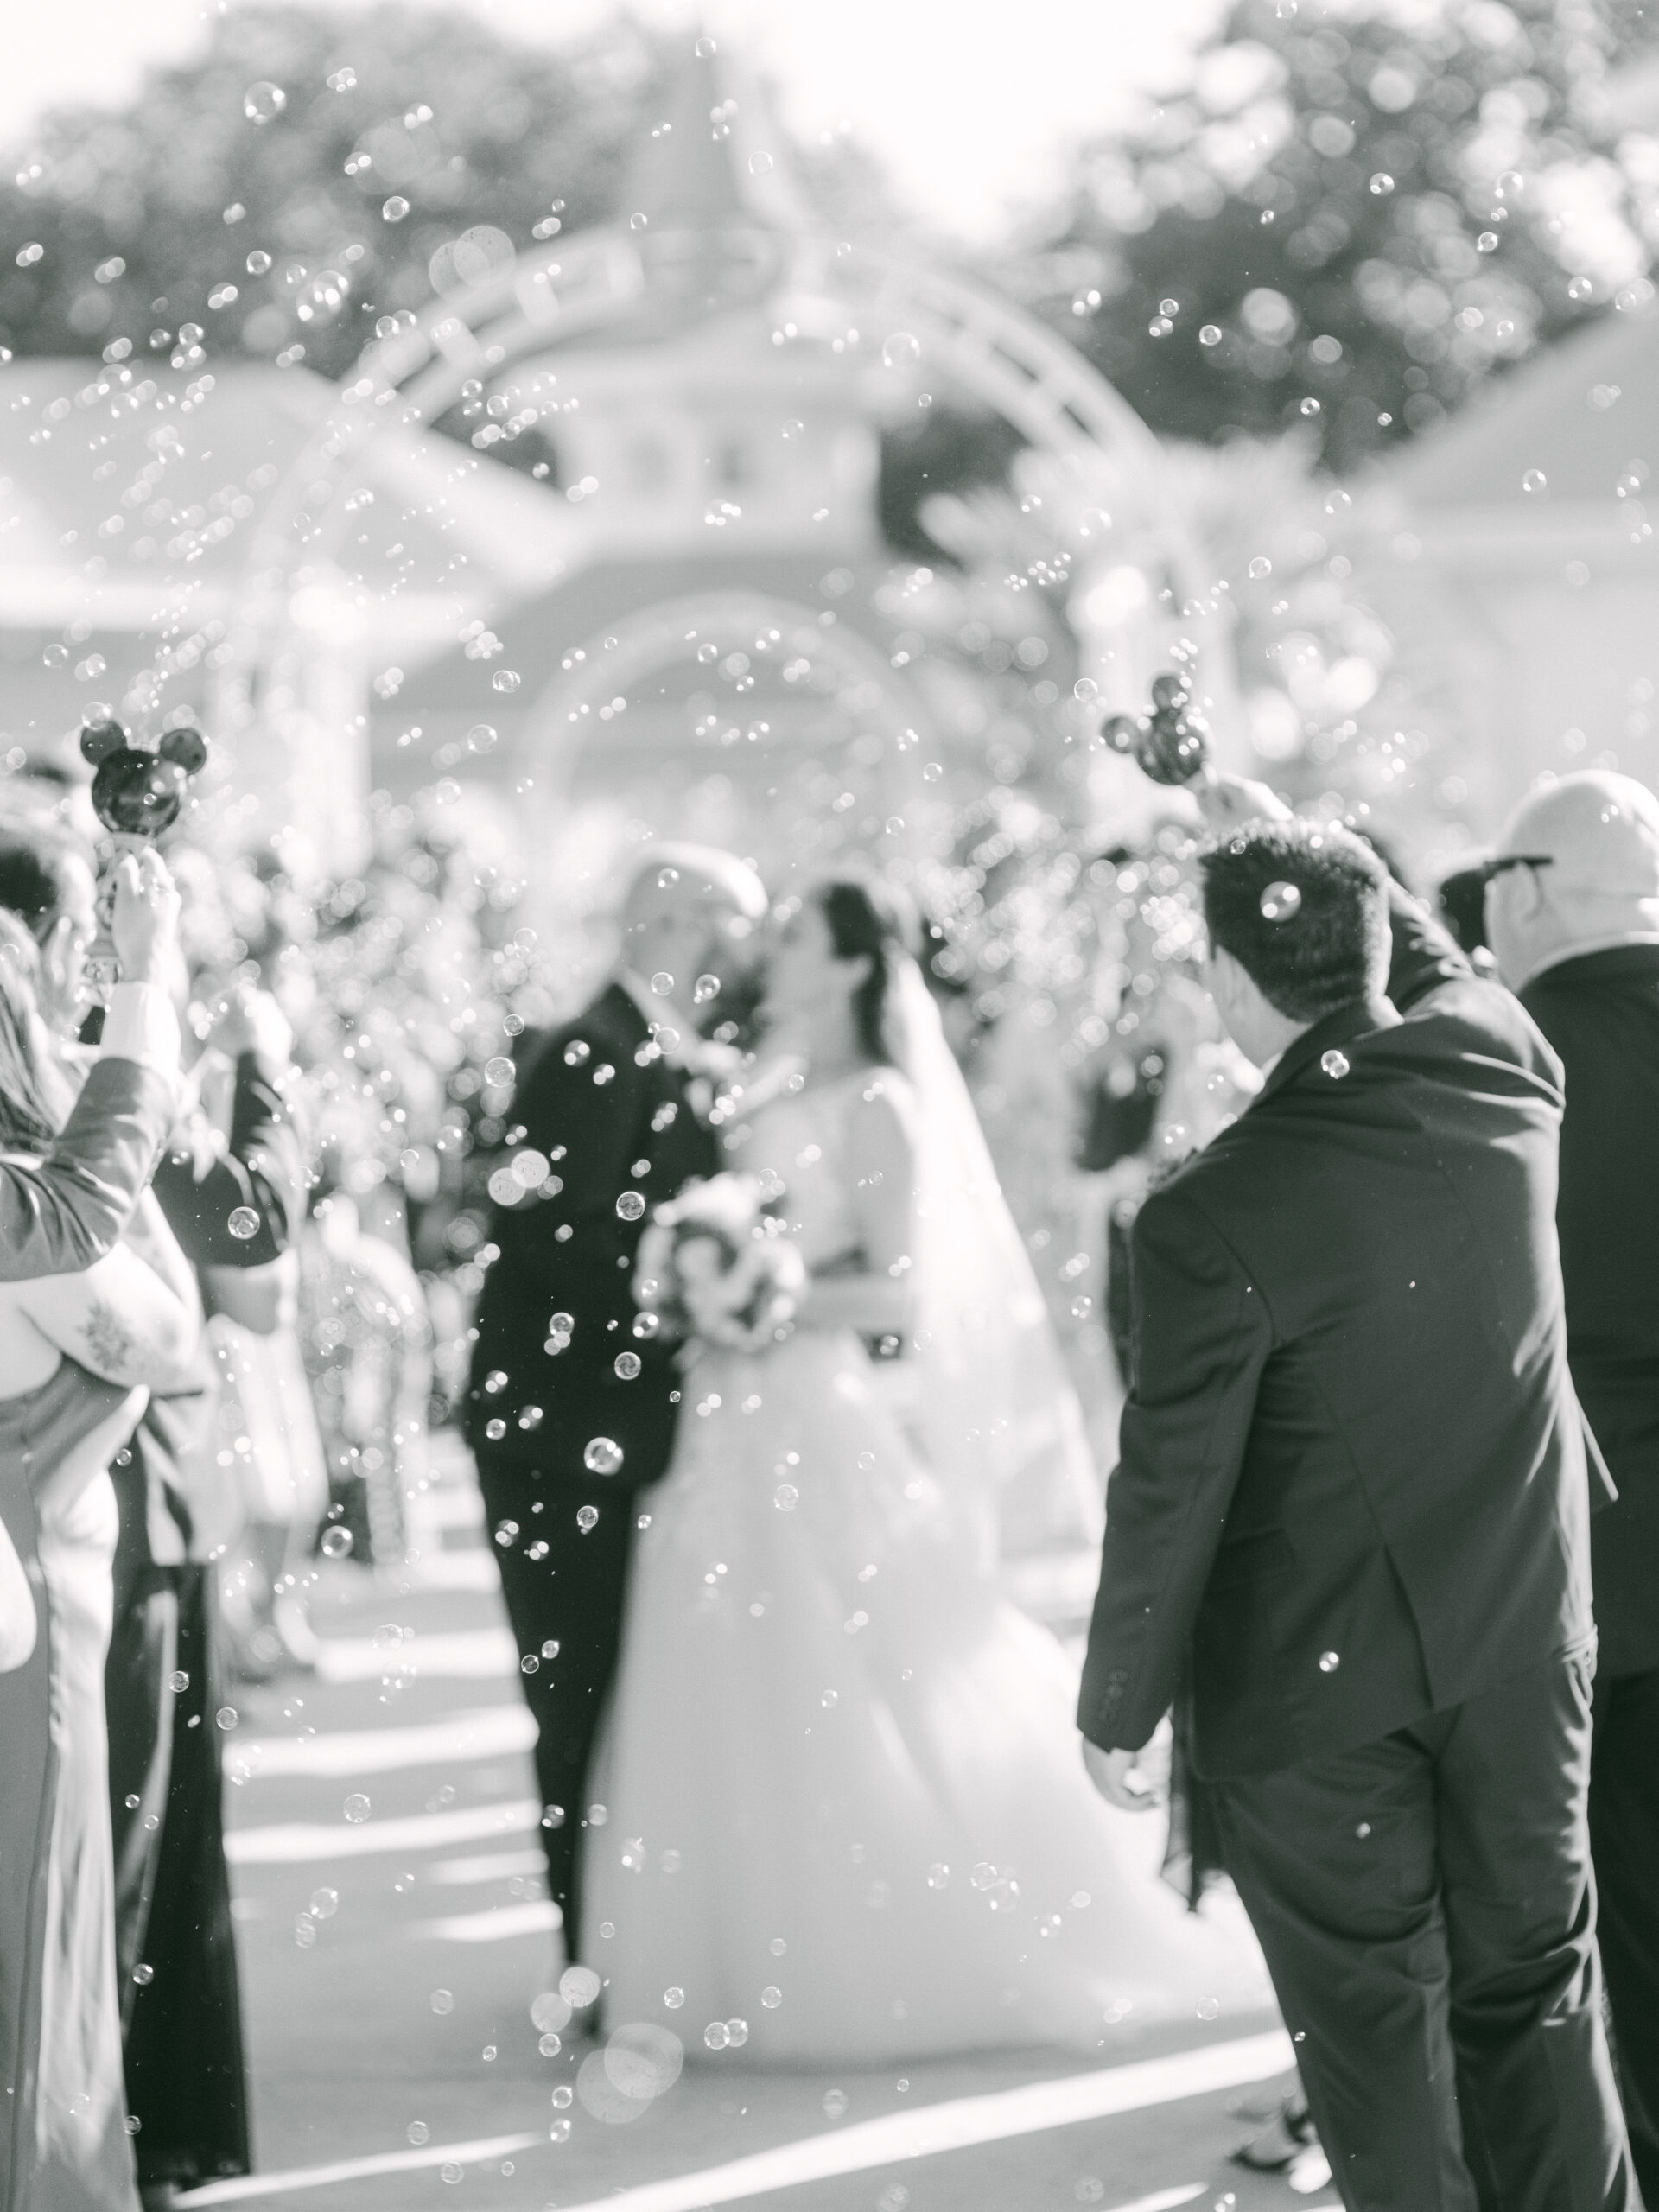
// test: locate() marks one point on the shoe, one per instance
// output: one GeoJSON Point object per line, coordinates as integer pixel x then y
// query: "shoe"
{"type": "Point", "coordinates": [1287, 2138]}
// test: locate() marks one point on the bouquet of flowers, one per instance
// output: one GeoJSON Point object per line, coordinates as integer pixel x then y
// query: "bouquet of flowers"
{"type": "Point", "coordinates": [716, 1264]}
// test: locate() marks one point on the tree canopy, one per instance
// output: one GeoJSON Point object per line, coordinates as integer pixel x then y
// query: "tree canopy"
{"type": "Point", "coordinates": [308, 174]}
{"type": "Point", "coordinates": [1355, 212]}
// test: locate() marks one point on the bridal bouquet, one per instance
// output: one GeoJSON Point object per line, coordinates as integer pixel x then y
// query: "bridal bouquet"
{"type": "Point", "coordinates": [716, 1264]}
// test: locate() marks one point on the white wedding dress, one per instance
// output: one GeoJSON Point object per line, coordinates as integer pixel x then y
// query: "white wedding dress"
{"type": "Point", "coordinates": [844, 1799]}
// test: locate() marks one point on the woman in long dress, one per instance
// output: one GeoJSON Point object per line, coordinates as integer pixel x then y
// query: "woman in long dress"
{"type": "Point", "coordinates": [845, 1817]}
{"type": "Point", "coordinates": [78, 1354]}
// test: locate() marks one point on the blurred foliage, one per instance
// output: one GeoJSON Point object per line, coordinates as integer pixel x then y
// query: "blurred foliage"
{"type": "Point", "coordinates": [314, 171]}
{"type": "Point", "coordinates": [1354, 213]}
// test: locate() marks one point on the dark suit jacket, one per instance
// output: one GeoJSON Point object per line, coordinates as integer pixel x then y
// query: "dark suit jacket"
{"type": "Point", "coordinates": [58, 1218]}
{"type": "Point", "coordinates": [1601, 1014]}
{"type": "Point", "coordinates": [1353, 1488]}
{"type": "Point", "coordinates": [612, 1115]}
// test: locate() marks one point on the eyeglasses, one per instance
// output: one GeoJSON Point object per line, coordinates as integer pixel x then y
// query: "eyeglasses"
{"type": "Point", "coordinates": [1505, 861]}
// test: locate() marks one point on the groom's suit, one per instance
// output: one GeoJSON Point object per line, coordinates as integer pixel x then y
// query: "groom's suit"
{"type": "Point", "coordinates": [1352, 1515]}
{"type": "Point", "coordinates": [612, 1115]}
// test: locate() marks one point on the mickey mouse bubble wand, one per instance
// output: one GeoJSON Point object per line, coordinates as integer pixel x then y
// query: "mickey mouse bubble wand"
{"type": "Point", "coordinates": [1171, 744]}
{"type": "Point", "coordinates": [136, 794]}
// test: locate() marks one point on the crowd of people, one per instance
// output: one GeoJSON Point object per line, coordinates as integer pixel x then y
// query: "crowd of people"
{"type": "Point", "coordinates": [178, 1286]}
{"type": "Point", "coordinates": [760, 1367]}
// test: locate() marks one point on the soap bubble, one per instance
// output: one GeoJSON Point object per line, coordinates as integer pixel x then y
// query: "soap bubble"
{"type": "Point", "coordinates": [705, 48]}
{"type": "Point", "coordinates": [674, 1998]}
{"type": "Point", "coordinates": [1382, 184]}
{"type": "Point", "coordinates": [550, 2011]}
{"type": "Point", "coordinates": [715, 2035]}
{"type": "Point", "coordinates": [630, 1205]}
{"type": "Point", "coordinates": [244, 1223]}
{"type": "Point", "coordinates": [772, 1998]}
{"type": "Point", "coordinates": [1328, 1662]}
{"type": "Point", "coordinates": [627, 1365]}
{"type": "Point", "coordinates": [901, 350]}
{"type": "Point", "coordinates": [341, 80]}
{"type": "Point", "coordinates": [144, 1976]}
{"type": "Point", "coordinates": [1336, 1066]}
{"type": "Point", "coordinates": [1279, 901]}
{"type": "Point", "coordinates": [505, 679]}
{"type": "Point", "coordinates": [499, 1069]}
{"type": "Point", "coordinates": [357, 1808]}
{"type": "Point", "coordinates": [226, 1717]}
{"type": "Point", "coordinates": [579, 1985]}
{"type": "Point", "coordinates": [336, 1542]}
{"type": "Point", "coordinates": [263, 102]}
{"type": "Point", "coordinates": [577, 1051]}
{"type": "Point", "coordinates": [178, 1681]}
{"type": "Point", "coordinates": [1534, 482]}
{"type": "Point", "coordinates": [324, 1904]}
{"type": "Point", "coordinates": [668, 877]}
{"type": "Point", "coordinates": [705, 988]}
{"type": "Point", "coordinates": [835, 2103]}
{"type": "Point", "coordinates": [1260, 567]}
{"type": "Point", "coordinates": [937, 1875]}
{"type": "Point", "coordinates": [760, 165]}
{"type": "Point", "coordinates": [441, 2001]}
{"type": "Point", "coordinates": [258, 263]}
{"type": "Point", "coordinates": [417, 2133]}
{"type": "Point", "coordinates": [587, 1519]}
{"type": "Point", "coordinates": [643, 2061]}
{"type": "Point", "coordinates": [602, 1455]}
{"type": "Point", "coordinates": [396, 208]}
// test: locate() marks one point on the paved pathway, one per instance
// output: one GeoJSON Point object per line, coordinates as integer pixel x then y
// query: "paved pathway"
{"type": "Point", "coordinates": [394, 1934]}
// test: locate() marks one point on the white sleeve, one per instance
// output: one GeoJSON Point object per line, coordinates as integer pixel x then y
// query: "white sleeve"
{"type": "Point", "coordinates": [141, 1025]}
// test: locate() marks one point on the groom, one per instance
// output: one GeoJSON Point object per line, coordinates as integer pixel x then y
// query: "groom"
{"type": "Point", "coordinates": [1351, 1518]}
{"type": "Point", "coordinates": [570, 1413]}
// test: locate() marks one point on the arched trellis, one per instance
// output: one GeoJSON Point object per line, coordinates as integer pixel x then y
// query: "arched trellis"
{"type": "Point", "coordinates": [612, 281]}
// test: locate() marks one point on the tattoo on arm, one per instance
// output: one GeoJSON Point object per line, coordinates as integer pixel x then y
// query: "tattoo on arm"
{"type": "Point", "coordinates": [115, 1350]}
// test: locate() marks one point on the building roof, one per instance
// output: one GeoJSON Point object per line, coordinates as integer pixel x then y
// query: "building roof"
{"type": "Point", "coordinates": [714, 161]}
{"type": "Point", "coordinates": [1580, 414]}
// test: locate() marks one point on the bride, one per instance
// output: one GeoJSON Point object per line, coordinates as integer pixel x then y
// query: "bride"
{"type": "Point", "coordinates": [847, 1818]}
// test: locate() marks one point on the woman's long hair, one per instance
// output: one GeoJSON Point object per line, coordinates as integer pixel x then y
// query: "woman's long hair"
{"type": "Point", "coordinates": [35, 1095]}
{"type": "Point", "coordinates": [866, 917]}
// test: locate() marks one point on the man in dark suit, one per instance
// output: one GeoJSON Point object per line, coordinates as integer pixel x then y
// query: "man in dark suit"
{"type": "Point", "coordinates": [1572, 908]}
{"type": "Point", "coordinates": [1351, 1520]}
{"type": "Point", "coordinates": [573, 1401]}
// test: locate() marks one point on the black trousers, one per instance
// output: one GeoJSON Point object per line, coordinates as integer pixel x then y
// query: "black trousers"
{"type": "Point", "coordinates": [1625, 1838]}
{"type": "Point", "coordinates": [1427, 1911]}
{"type": "Point", "coordinates": [181, 2028]}
{"type": "Point", "coordinates": [564, 1585]}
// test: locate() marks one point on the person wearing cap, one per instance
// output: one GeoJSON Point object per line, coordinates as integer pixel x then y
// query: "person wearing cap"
{"type": "Point", "coordinates": [1349, 1532]}
{"type": "Point", "coordinates": [1572, 915]}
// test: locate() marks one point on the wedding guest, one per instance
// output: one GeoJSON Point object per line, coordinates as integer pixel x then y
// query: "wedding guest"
{"type": "Point", "coordinates": [1351, 1514]}
{"type": "Point", "coordinates": [613, 1104]}
{"type": "Point", "coordinates": [69, 1209]}
{"type": "Point", "coordinates": [230, 1205]}
{"type": "Point", "coordinates": [367, 1338]}
{"type": "Point", "coordinates": [78, 1351]}
{"type": "Point", "coordinates": [1572, 902]}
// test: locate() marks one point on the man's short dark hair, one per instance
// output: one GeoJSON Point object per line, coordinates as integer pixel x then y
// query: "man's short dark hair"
{"type": "Point", "coordinates": [1311, 952]}
{"type": "Point", "coordinates": [35, 867]}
